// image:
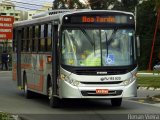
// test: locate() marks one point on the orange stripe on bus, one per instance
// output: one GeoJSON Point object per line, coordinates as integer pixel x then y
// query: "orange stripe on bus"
{"type": "Point", "coordinates": [39, 86]}
{"type": "Point", "coordinates": [26, 66]}
{"type": "Point", "coordinates": [41, 63]}
{"type": "Point", "coordinates": [23, 66]}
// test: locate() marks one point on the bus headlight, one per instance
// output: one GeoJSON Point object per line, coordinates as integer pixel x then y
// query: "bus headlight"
{"type": "Point", "coordinates": [70, 80]}
{"type": "Point", "coordinates": [128, 81]}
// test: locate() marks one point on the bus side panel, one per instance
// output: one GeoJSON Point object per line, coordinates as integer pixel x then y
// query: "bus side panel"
{"type": "Point", "coordinates": [27, 70]}
{"type": "Point", "coordinates": [43, 69]}
{"type": "Point", "coordinates": [37, 68]}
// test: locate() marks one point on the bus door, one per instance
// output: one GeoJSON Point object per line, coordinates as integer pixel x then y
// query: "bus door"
{"type": "Point", "coordinates": [18, 36]}
{"type": "Point", "coordinates": [55, 58]}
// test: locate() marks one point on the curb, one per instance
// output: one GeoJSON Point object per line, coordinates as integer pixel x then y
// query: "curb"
{"type": "Point", "coordinates": [147, 88]}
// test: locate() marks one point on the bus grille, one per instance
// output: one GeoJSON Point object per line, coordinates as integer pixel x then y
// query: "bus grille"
{"type": "Point", "coordinates": [95, 72]}
{"type": "Point", "coordinates": [104, 83]}
{"type": "Point", "coordinates": [110, 93]}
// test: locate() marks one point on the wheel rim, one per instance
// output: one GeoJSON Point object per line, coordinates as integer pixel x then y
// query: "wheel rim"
{"type": "Point", "coordinates": [50, 92]}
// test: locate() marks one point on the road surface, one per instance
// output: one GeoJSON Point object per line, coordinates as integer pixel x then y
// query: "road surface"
{"type": "Point", "coordinates": [13, 101]}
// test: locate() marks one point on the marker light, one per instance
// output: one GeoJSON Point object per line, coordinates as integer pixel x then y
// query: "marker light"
{"type": "Point", "coordinates": [49, 59]}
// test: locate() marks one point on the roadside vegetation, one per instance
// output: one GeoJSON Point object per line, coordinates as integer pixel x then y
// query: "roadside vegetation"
{"type": "Point", "coordinates": [6, 116]}
{"type": "Point", "coordinates": [149, 81]}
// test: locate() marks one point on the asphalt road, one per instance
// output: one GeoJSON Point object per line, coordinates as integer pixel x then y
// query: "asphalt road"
{"type": "Point", "coordinates": [13, 101]}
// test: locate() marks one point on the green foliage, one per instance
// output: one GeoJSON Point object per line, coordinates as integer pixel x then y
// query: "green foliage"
{"type": "Point", "coordinates": [145, 29]}
{"type": "Point", "coordinates": [126, 5]}
{"type": "Point", "coordinates": [149, 81]}
{"type": "Point", "coordinates": [57, 3]}
{"type": "Point", "coordinates": [100, 4]}
{"type": "Point", "coordinates": [157, 4]}
{"type": "Point", "coordinates": [65, 4]}
{"type": "Point", "coordinates": [6, 116]}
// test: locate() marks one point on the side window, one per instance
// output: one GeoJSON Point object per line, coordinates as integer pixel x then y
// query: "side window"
{"type": "Point", "coordinates": [22, 41]}
{"type": "Point", "coordinates": [27, 39]}
{"type": "Point", "coordinates": [42, 39]}
{"type": "Point", "coordinates": [49, 38]}
{"type": "Point", "coordinates": [30, 39]}
{"type": "Point", "coordinates": [45, 36]}
{"type": "Point", "coordinates": [37, 38]}
{"type": "Point", "coordinates": [33, 39]}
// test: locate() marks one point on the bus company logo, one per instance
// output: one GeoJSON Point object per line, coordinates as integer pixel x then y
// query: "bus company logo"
{"type": "Point", "coordinates": [110, 78]}
{"type": "Point", "coordinates": [102, 79]}
{"type": "Point", "coordinates": [102, 73]}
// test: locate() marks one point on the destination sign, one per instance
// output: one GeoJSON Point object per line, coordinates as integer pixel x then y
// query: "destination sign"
{"type": "Point", "coordinates": [98, 19]}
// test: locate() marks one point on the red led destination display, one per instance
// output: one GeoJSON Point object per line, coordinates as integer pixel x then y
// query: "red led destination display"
{"type": "Point", "coordinates": [98, 19]}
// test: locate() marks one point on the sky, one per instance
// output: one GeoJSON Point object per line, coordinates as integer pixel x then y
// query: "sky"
{"type": "Point", "coordinates": [38, 2]}
{"type": "Point", "coordinates": [21, 6]}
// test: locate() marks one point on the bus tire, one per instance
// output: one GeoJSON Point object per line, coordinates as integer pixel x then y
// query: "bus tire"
{"type": "Point", "coordinates": [28, 94]}
{"type": "Point", "coordinates": [54, 102]}
{"type": "Point", "coordinates": [116, 102]}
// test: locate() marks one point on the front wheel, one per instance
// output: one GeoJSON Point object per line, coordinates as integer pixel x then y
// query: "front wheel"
{"type": "Point", "coordinates": [116, 102]}
{"type": "Point", "coordinates": [53, 101]}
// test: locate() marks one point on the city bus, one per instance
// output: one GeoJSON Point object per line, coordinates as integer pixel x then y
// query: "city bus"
{"type": "Point", "coordinates": [89, 54]}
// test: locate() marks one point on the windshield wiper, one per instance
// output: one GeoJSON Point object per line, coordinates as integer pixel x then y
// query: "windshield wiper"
{"type": "Point", "coordinates": [112, 36]}
{"type": "Point", "coordinates": [106, 43]}
{"type": "Point", "coordinates": [94, 44]}
{"type": "Point", "coordinates": [87, 36]}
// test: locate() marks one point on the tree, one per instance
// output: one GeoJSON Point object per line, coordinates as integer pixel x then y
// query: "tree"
{"type": "Point", "coordinates": [146, 18]}
{"type": "Point", "coordinates": [101, 4]}
{"type": "Point", "coordinates": [58, 4]}
{"type": "Point", "coordinates": [124, 5]}
{"type": "Point", "coordinates": [75, 4]}
{"type": "Point", "coordinates": [128, 5]}
{"type": "Point", "coordinates": [68, 4]}
{"type": "Point", "coordinates": [157, 5]}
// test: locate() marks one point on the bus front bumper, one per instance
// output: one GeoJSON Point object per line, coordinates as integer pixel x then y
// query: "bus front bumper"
{"type": "Point", "coordinates": [69, 91]}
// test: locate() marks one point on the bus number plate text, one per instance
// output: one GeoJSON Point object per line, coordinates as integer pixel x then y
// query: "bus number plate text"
{"type": "Point", "coordinates": [101, 91]}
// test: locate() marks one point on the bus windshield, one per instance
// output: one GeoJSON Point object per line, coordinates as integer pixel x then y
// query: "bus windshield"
{"type": "Point", "coordinates": [97, 47]}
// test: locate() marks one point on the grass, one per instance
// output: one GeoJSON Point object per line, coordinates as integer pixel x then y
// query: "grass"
{"type": "Point", "coordinates": [149, 81]}
{"type": "Point", "coordinates": [149, 71]}
{"type": "Point", "coordinates": [5, 116]}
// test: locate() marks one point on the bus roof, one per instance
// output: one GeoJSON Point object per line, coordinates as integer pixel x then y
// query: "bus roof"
{"type": "Point", "coordinates": [59, 15]}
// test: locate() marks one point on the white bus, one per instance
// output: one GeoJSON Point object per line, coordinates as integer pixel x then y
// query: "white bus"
{"type": "Point", "coordinates": [90, 54]}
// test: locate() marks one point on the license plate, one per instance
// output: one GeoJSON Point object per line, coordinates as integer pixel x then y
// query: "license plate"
{"type": "Point", "coordinates": [101, 91]}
